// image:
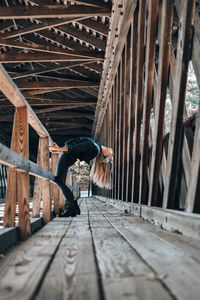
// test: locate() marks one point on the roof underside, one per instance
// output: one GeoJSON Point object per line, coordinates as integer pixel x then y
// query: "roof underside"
{"type": "Point", "coordinates": [54, 52]}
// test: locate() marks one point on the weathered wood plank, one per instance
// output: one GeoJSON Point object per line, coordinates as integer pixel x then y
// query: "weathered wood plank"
{"type": "Point", "coordinates": [52, 11]}
{"type": "Point", "coordinates": [54, 189]}
{"type": "Point", "coordinates": [149, 247]}
{"type": "Point", "coordinates": [22, 188]}
{"type": "Point", "coordinates": [183, 58]}
{"type": "Point", "coordinates": [124, 273]}
{"type": "Point", "coordinates": [138, 106]}
{"type": "Point", "coordinates": [192, 193]}
{"type": "Point", "coordinates": [147, 97]}
{"type": "Point", "coordinates": [21, 270]}
{"type": "Point", "coordinates": [11, 195]}
{"type": "Point", "coordinates": [37, 194]}
{"type": "Point", "coordinates": [160, 98]}
{"type": "Point", "coordinates": [18, 162]}
{"type": "Point", "coordinates": [73, 273]}
{"type": "Point", "coordinates": [48, 49]}
{"type": "Point", "coordinates": [46, 197]}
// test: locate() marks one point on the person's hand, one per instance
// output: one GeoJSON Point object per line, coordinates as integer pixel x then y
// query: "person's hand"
{"type": "Point", "coordinates": [54, 149]}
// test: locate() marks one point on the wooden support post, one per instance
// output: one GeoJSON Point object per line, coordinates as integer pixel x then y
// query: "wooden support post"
{"type": "Point", "coordinates": [116, 157]}
{"type": "Point", "coordinates": [131, 117]}
{"type": "Point", "coordinates": [54, 189]}
{"type": "Point", "coordinates": [183, 58]}
{"type": "Point", "coordinates": [194, 180]}
{"type": "Point", "coordinates": [18, 183]}
{"type": "Point", "coordinates": [139, 92]}
{"type": "Point", "coordinates": [148, 90]}
{"type": "Point", "coordinates": [126, 114]}
{"type": "Point", "coordinates": [37, 194]}
{"type": "Point", "coordinates": [11, 192]}
{"type": "Point", "coordinates": [160, 98]}
{"type": "Point", "coordinates": [45, 182]}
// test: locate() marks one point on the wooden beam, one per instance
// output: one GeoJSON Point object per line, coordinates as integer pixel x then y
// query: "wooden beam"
{"type": "Point", "coordinates": [19, 163]}
{"type": "Point", "coordinates": [37, 27]}
{"type": "Point", "coordinates": [46, 69]}
{"type": "Point", "coordinates": [64, 84]}
{"type": "Point", "coordinates": [147, 97]}
{"type": "Point", "coordinates": [52, 109]}
{"type": "Point", "coordinates": [139, 94]}
{"type": "Point", "coordinates": [39, 57]}
{"type": "Point", "coordinates": [183, 57]}
{"type": "Point", "coordinates": [160, 99]}
{"type": "Point", "coordinates": [52, 11]}
{"type": "Point", "coordinates": [192, 192]}
{"type": "Point", "coordinates": [46, 197]}
{"type": "Point", "coordinates": [49, 49]}
{"type": "Point", "coordinates": [13, 94]}
{"type": "Point", "coordinates": [68, 124]}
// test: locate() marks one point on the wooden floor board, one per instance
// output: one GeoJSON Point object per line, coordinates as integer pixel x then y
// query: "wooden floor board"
{"type": "Point", "coordinates": [103, 254]}
{"type": "Point", "coordinates": [22, 268]}
{"type": "Point", "coordinates": [125, 275]}
{"type": "Point", "coordinates": [178, 269]}
{"type": "Point", "coordinates": [73, 273]}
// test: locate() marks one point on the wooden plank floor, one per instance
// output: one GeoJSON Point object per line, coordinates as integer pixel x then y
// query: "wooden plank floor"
{"type": "Point", "coordinates": [102, 254]}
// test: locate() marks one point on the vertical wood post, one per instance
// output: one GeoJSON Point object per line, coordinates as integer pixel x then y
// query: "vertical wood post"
{"type": "Point", "coordinates": [18, 182]}
{"type": "Point", "coordinates": [138, 107]}
{"type": "Point", "coordinates": [183, 58]}
{"type": "Point", "coordinates": [148, 90]}
{"type": "Point", "coordinates": [45, 182]}
{"type": "Point", "coordinates": [54, 189]}
{"type": "Point", "coordinates": [160, 96]}
{"type": "Point", "coordinates": [37, 194]}
{"type": "Point", "coordinates": [195, 169]}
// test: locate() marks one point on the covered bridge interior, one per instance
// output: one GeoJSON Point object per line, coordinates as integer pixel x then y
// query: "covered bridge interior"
{"type": "Point", "coordinates": [126, 73]}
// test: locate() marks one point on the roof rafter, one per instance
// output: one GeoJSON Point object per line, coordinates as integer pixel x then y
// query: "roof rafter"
{"type": "Point", "coordinates": [51, 11]}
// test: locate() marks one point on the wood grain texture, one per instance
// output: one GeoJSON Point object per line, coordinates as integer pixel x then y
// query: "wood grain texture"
{"type": "Point", "coordinates": [173, 263]}
{"type": "Point", "coordinates": [72, 274]}
{"type": "Point", "coordinates": [46, 197]}
{"type": "Point", "coordinates": [22, 188]}
{"type": "Point", "coordinates": [54, 189]}
{"type": "Point", "coordinates": [21, 269]}
{"type": "Point", "coordinates": [37, 193]}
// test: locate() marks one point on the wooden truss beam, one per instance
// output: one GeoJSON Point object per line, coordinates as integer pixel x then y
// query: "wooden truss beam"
{"type": "Point", "coordinates": [38, 57]}
{"type": "Point", "coordinates": [64, 84]}
{"type": "Point", "coordinates": [50, 49]}
{"type": "Point", "coordinates": [37, 27]}
{"type": "Point", "coordinates": [52, 11]}
{"type": "Point", "coordinates": [46, 69]}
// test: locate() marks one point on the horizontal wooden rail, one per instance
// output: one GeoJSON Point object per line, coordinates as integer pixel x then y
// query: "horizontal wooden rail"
{"type": "Point", "coordinates": [19, 163]}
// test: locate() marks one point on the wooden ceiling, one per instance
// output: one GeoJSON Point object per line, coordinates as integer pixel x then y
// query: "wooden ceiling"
{"type": "Point", "coordinates": [54, 52]}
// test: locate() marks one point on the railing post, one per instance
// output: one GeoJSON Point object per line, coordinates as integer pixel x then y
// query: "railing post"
{"type": "Point", "coordinates": [37, 194]}
{"type": "Point", "coordinates": [54, 189]}
{"type": "Point", "coordinates": [18, 183]}
{"type": "Point", "coordinates": [45, 182]}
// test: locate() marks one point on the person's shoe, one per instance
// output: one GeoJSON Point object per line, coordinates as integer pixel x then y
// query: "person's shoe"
{"type": "Point", "coordinates": [68, 212]}
{"type": "Point", "coordinates": [76, 207]}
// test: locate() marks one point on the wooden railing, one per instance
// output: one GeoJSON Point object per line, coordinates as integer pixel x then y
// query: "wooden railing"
{"type": "Point", "coordinates": [146, 59]}
{"type": "Point", "coordinates": [17, 191]}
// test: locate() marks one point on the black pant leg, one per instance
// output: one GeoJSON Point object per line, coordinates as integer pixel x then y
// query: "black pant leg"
{"type": "Point", "coordinates": [65, 160]}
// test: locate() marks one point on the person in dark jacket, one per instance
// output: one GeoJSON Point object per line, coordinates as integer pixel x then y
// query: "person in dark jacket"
{"type": "Point", "coordinates": [84, 149]}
